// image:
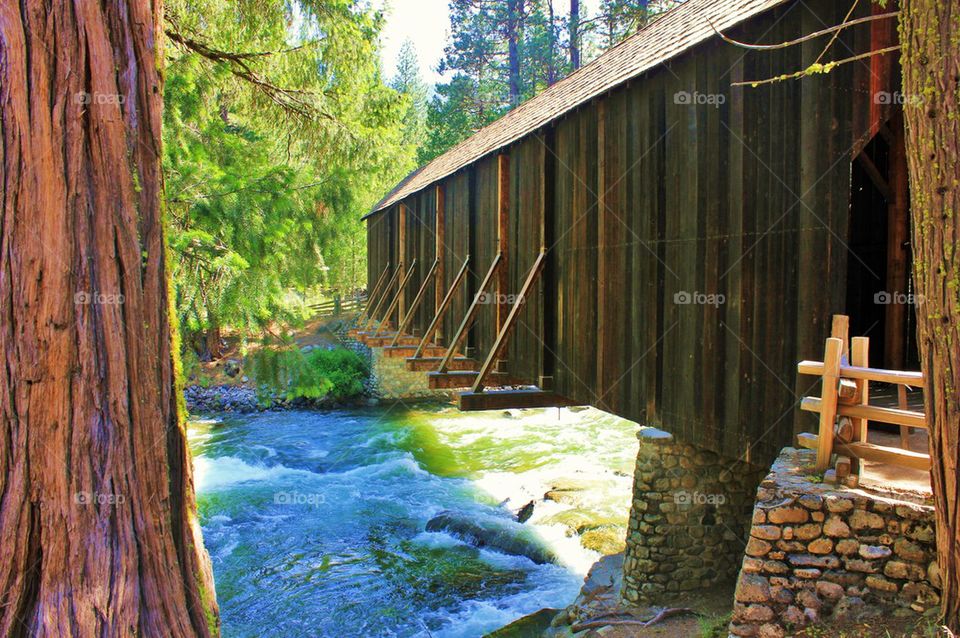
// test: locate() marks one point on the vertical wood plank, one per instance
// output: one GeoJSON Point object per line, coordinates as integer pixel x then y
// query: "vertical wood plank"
{"type": "Point", "coordinates": [402, 249]}
{"type": "Point", "coordinates": [503, 234]}
{"type": "Point", "coordinates": [603, 226]}
{"type": "Point", "coordinates": [440, 252]}
{"type": "Point", "coordinates": [898, 234]}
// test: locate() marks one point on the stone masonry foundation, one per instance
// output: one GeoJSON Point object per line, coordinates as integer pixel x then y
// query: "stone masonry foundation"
{"type": "Point", "coordinates": [820, 552]}
{"type": "Point", "coordinates": [689, 519]}
{"type": "Point", "coordinates": [394, 381]}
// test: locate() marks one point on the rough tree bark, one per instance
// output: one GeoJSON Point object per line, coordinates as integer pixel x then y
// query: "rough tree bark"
{"type": "Point", "coordinates": [931, 85]}
{"type": "Point", "coordinates": [98, 530]}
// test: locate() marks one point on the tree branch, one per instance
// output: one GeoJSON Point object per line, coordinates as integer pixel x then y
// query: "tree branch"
{"type": "Point", "coordinates": [811, 36]}
{"type": "Point", "coordinates": [817, 68]}
{"type": "Point", "coordinates": [291, 100]}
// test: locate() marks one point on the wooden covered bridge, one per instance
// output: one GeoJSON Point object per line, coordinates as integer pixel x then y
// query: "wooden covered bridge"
{"type": "Point", "coordinates": [650, 238]}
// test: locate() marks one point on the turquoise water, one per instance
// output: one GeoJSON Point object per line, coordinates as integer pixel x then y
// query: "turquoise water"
{"type": "Point", "coordinates": [315, 520]}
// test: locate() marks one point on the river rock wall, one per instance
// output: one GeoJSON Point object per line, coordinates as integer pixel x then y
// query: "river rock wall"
{"type": "Point", "coordinates": [819, 552]}
{"type": "Point", "coordinates": [392, 380]}
{"type": "Point", "coordinates": [689, 519]}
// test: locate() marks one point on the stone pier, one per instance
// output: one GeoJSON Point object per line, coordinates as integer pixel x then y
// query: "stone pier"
{"type": "Point", "coordinates": [689, 520]}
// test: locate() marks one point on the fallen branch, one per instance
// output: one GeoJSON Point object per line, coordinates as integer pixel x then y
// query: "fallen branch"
{"type": "Point", "coordinates": [597, 622]}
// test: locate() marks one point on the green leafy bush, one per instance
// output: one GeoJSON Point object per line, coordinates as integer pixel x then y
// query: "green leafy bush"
{"type": "Point", "coordinates": [294, 374]}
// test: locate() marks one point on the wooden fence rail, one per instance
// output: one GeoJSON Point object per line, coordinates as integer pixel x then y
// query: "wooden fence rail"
{"type": "Point", "coordinates": [339, 304]}
{"type": "Point", "coordinates": [845, 410]}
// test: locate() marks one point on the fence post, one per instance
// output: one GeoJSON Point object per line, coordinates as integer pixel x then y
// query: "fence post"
{"type": "Point", "coordinates": [828, 401]}
{"type": "Point", "coordinates": [860, 356]}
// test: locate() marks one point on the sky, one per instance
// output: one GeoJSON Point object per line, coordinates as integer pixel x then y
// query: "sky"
{"type": "Point", "coordinates": [426, 23]}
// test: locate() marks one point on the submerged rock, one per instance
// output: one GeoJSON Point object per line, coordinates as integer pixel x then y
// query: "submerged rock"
{"type": "Point", "coordinates": [530, 626]}
{"type": "Point", "coordinates": [525, 512]}
{"type": "Point", "coordinates": [503, 536]}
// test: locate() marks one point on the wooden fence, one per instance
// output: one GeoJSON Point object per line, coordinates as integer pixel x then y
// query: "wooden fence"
{"type": "Point", "coordinates": [844, 405]}
{"type": "Point", "coordinates": [339, 305]}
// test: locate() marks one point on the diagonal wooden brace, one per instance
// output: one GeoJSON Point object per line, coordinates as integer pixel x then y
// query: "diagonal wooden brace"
{"type": "Point", "coordinates": [471, 313]}
{"type": "Point", "coordinates": [416, 302]}
{"type": "Point", "coordinates": [396, 299]}
{"type": "Point", "coordinates": [442, 309]}
{"type": "Point", "coordinates": [376, 291]}
{"type": "Point", "coordinates": [508, 324]}
{"type": "Point", "coordinates": [372, 317]}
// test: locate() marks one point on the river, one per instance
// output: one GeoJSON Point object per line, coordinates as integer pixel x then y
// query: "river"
{"type": "Point", "coordinates": [315, 521]}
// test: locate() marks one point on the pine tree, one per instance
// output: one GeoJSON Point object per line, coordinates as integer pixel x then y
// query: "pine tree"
{"type": "Point", "coordinates": [407, 81]}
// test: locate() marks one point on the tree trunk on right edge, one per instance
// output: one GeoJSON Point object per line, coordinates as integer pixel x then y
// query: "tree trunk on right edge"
{"type": "Point", "coordinates": [931, 67]}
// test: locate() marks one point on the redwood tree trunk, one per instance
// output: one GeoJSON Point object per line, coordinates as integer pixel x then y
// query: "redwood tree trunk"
{"type": "Point", "coordinates": [931, 66]}
{"type": "Point", "coordinates": [98, 529]}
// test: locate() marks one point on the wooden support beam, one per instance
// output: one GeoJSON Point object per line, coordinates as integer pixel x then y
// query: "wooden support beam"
{"type": "Point", "coordinates": [416, 302]}
{"type": "Point", "coordinates": [549, 298]}
{"type": "Point", "coordinates": [442, 309]}
{"type": "Point", "coordinates": [875, 176]}
{"type": "Point", "coordinates": [402, 234]}
{"type": "Point", "coordinates": [828, 401]}
{"type": "Point", "coordinates": [603, 228]}
{"type": "Point", "coordinates": [508, 399]}
{"type": "Point", "coordinates": [860, 356]}
{"type": "Point", "coordinates": [815, 368]}
{"type": "Point", "coordinates": [840, 329]}
{"type": "Point", "coordinates": [869, 412]}
{"type": "Point", "coordinates": [871, 452]}
{"type": "Point", "coordinates": [396, 300]}
{"type": "Point", "coordinates": [503, 234]}
{"type": "Point", "coordinates": [430, 363]}
{"type": "Point", "coordinates": [456, 379]}
{"type": "Point", "coordinates": [898, 267]}
{"type": "Point", "coordinates": [902, 404]}
{"type": "Point", "coordinates": [471, 313]}
{"type": "Point", "coordinates": [372, 295]}
{"type": "Point", "coordinates": [509, 323]}
{"type": "Point", "coordinates": [386, 294]}
{"type": "Point", "coordinates": [381, 340]}
{"type": "Point", "coordinates": [440, 252]}
{"type": "Point", "coordinates": [405, 351]}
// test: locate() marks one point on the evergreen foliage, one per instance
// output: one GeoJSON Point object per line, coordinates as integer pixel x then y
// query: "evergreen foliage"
{"type": "Point", "coordinates": [279, 133]}
{"type": "Point", "coordinates": [289, 372]}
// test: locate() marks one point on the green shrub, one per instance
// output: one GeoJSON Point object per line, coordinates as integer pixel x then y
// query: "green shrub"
{"type": "Point", "coordinates": [295, 374]}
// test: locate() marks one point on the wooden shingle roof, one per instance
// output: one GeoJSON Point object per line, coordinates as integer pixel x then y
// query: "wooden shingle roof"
{"type": "Point", "coordinates": [676, 32]}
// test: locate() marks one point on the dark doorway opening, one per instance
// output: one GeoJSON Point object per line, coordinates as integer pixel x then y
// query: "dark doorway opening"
{"type": "Point", "coordinates": [880, 299]}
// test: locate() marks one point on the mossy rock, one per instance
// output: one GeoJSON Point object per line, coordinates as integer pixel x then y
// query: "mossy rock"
{"type": "Point", "coordinates": [531, 626]}
{"type": "Point", "coordinates": [604, 540]}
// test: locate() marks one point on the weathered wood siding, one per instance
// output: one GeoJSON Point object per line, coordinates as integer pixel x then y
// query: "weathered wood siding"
{"type": "Point", "coordinates": [421, 245]}
{"type": "Point", "coordinates": [697, 233]}
{"type": "Point", "coordinates": [381, 249]}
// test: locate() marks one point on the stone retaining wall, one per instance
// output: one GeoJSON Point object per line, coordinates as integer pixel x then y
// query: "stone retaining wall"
{"type": "Point", "coordinates": [689, 519]}
{"type": "Point", "coordinates": [820, 552]}
{"type": "Point", "coordinates": [394, 381]}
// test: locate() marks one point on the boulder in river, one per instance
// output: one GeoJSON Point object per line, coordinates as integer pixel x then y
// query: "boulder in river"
{"type": "Point", "coordinates": [504, 536]}
{"type": "Point", "coordinates": [525, 512]}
